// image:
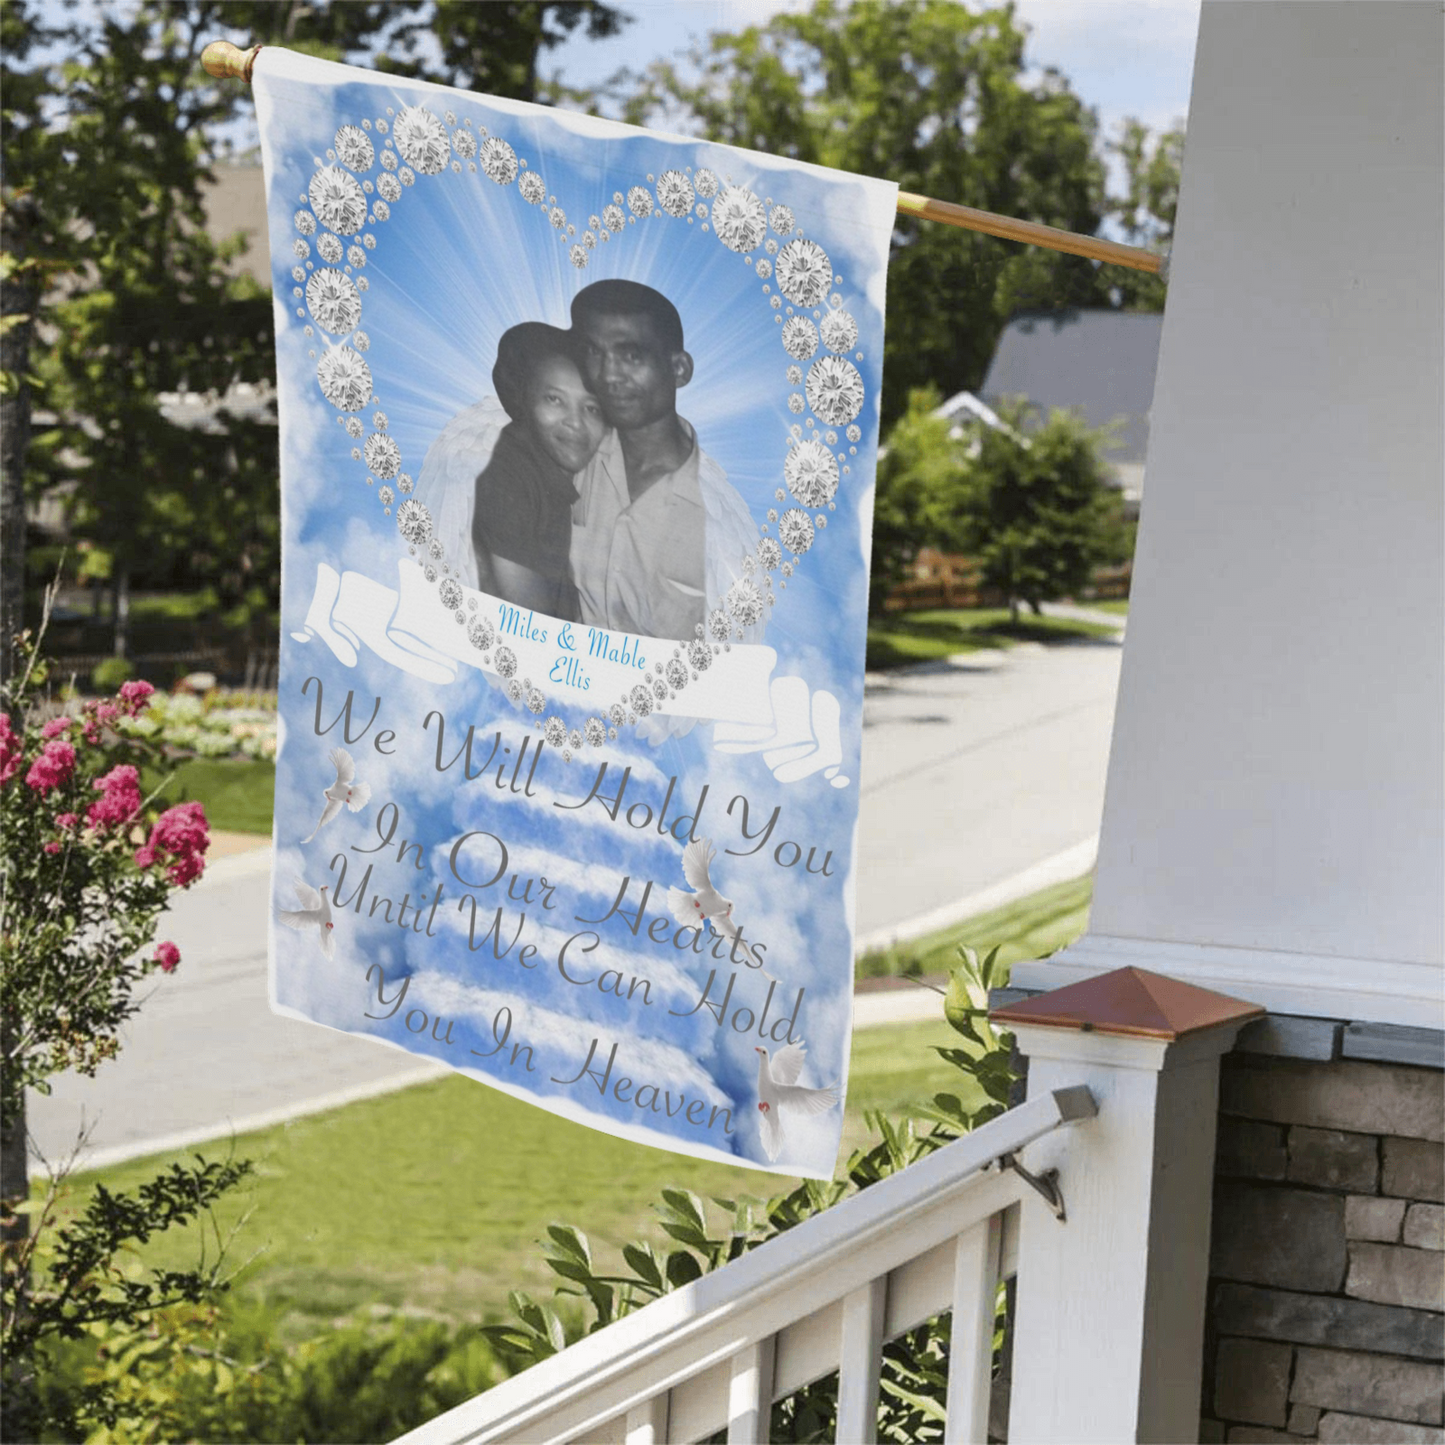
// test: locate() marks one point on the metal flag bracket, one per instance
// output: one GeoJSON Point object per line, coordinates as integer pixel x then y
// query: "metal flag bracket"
{"type": "Point", "coordinates": [1046, 1185]}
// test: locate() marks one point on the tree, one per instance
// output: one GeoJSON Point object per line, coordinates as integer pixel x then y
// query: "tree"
{"type": "Point", "coordinates": [34, 244]}
{"type": "Point", "coordinates": [1029, 500]}
{"type": "Point", "coordinates": [1146, 210]}
{"type": "Point", "coordinates": [110, 152]}
{"type": "Point", "coordinates": [934, 96]}
{"type": "Point", "coordinates": [493, 48]}
{"type": "Point", "coordinates": [110, 265]}
{"type": "Point", "coordinates": [919, 475]}
{"type": "Point", "coordinates": [1035, 507]}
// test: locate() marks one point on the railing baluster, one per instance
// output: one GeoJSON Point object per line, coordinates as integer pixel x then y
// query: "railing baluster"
{"type": "Point", "coordinates": [750, 1394]}
{"type": "Point", "coordinates": [970, 1361]}
{"type": "Point", "coordinates": [859, 1362]}
{"type": "Point", "coordinates": [647, 1423]}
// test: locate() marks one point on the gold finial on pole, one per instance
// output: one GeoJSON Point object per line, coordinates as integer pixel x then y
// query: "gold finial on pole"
{"type": "Point", "coordinates": [225, 61]}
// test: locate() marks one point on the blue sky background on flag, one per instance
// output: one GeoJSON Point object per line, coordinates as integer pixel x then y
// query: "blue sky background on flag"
{"type": "Point", "coordinates": [458, 259]}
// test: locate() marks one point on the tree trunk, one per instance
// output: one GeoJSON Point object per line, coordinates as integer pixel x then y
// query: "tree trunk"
{"type": "Point", "coordinates": [18, 300]}
{"type": "Point", "coordinates": [14, 1165]}
{"type": "Point", "coordinates": [121, 609]}
{"type": "Point", "coordinates": [19, 297]}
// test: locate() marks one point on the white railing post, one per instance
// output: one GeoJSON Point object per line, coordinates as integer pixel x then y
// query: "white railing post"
{"type": "Point", "coordinates": [970, 1352]}
{"type": "Point", "coordinates": [1108, 1328]}
{"type": "Point", "coordinates": [860, 1362]}
{"type": "Point", "coordinates": [750, 1394]}
{"type": "Point", "coordinates": [646, 1424]}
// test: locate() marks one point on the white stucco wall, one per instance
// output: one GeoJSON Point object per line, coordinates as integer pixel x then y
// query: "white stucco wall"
{"type": "Point", "coordinates": [1276, 793]}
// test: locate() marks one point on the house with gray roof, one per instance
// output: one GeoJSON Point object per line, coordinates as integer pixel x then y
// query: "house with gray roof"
{"type": "Point", "coordinates": [1097, 362]}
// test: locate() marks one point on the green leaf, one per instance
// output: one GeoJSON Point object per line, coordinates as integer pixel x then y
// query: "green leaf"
{"type": "Point", "coordinates": [556, 1334]}
{"type": "Point", "coordinates": [686, 1234]}
{"type": "Point", "coordinates": [570, 1269]}
{"type": "Point", "coordinates": [572, 1242]}
{"type": "Point", "coordinates": [959, 1004]}
{"type": "Point", "coordinates": [686, 1206]}
{"type": "Point", "coordinates": [682, 1268]}
{"type": "Point", "coordinates": [643, 1262]}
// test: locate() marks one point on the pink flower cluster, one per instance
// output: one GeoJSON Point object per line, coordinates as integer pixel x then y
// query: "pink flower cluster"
{"type": "Point", "coordinates": [120, 798]}
{"type": "Point", "coordinates": [97, 716]}
{"type": "Point", "coordinates": [182, 833]}
{"type": "Point", "coordinates": [134, 699]}
{"type": "Point", "coordinates": [12, 750]}
{"type": "Point", "coordinates": [55, 764]}
{"type": "Point", "coordinates": [52, 767]}
{"type": "Point", "coordinates": [168, 956]}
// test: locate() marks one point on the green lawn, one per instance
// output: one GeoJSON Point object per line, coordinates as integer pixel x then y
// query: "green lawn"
{"type": "Point", "coordinates": [432, 1199]}
{"type": "Point", "coordinates": [903, 638]}
{"type": "Point", "coordinates": [1112, 604]}
{"type": "Point", "coordinates": [1032, 927]}
{"type": "Point", "coordinates": [238, 794]}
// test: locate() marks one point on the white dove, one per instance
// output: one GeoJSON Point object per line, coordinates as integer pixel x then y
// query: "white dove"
{"type": "Point", "coordinates": [778, 1089]}
{"type": "Point", "coordinates": [345, 792]}
{"type": "Point", "coordinates": [707, 903]}
{"type": "Point", "coordinates": [315, 910]}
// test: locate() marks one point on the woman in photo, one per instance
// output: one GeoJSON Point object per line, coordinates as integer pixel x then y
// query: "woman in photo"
{"type": "Point", "coordinates": [503, 473]}
{"type": "Point", "coordinates": [522, 512]}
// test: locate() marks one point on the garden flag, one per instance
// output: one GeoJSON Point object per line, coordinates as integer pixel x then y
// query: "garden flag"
{"type": "Point", "coordinates": [578, 430]}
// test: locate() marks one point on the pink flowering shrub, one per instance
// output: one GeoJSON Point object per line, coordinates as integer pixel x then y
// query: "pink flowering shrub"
{"type": "Point", "coordinates": [52, 768]}
{"type": "Point", "coordinates": [87, 866]}
{"type": "Point", "coordinates": [12, 750]}
{"type": "Point", "coordinates": [120, 800]}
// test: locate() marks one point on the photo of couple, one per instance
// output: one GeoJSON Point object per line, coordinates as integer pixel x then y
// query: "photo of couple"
{"type": "Point", "coordinates": [578, 490]}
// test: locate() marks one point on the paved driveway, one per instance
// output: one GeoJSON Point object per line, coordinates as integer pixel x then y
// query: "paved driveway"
{"type": "Point", "coordinates": [977, 770]}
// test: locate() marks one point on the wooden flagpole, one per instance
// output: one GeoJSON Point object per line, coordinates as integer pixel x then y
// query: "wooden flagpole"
{"type": "Point", "coordinates": [225, 61]}
{"type": "Point", "coordinates": [1031, 233]}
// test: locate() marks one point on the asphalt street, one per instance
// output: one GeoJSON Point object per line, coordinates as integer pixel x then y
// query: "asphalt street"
{"type": "Point", "coordinates": [983, 779]}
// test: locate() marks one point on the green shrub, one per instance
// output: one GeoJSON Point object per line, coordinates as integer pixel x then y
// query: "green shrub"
{"type": "Point", "coordinates": [193, 1373]}
{"type": "Point", "coordinates": [107, 676]}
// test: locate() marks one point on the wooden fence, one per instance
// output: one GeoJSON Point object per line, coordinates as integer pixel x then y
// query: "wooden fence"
{"type": "Point", "coordinates": [941, 579]}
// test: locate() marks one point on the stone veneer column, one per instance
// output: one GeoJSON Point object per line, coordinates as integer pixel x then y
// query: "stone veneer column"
{"type": "Point", "coordinates": [1328, 1262]}
{"type": "Point", "coordinates": [1109, 1319]}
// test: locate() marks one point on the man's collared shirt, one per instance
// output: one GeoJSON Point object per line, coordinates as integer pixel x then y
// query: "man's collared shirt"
{"type": "Point", "coordinates": [641, 566]}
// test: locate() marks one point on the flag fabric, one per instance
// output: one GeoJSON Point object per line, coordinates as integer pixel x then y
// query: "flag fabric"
{"type": "Point", "coordinates": [578, 430]}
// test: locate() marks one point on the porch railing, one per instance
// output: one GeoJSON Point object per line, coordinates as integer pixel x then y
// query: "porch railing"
{"type": "Point", "coordinates": [824, 1296]}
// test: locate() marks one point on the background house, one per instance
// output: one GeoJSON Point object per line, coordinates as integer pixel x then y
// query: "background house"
{"type": "Point", "coordinates": [1095, 361]}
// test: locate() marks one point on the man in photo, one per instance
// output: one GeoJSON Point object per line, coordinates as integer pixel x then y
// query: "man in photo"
{"type": "Point", "coordinates": [658, 532]}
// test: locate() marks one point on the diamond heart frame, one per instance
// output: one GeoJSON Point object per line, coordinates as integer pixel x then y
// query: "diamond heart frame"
{"type": "Point", "coordinates": [797, 278]}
